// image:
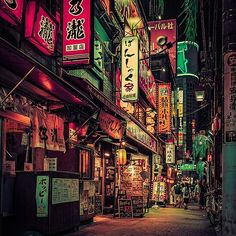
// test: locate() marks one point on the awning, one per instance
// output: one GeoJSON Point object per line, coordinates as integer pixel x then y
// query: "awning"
{"type": "Point", "coordinates": [41, 84]}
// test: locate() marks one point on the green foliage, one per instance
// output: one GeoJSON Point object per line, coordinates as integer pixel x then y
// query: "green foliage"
{"type": "Point", "coordinates": [189, 13]}
{"type": "Point", "coordinates": [201, 147]}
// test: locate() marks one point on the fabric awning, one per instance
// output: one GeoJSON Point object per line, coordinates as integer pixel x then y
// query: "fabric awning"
{"type": "Point", "coordinates": [41, 84]}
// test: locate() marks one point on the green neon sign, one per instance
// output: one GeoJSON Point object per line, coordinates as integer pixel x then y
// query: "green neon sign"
{"type": "Point", "coordinates": [187, 59]}
{"type": "Point", "coordinates": [186, 167]}
{"type": "Point", "coordinates": [182, 60]}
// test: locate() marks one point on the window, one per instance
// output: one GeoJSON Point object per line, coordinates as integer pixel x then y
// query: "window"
{"type": "Point", "coordinates": [85, 163]}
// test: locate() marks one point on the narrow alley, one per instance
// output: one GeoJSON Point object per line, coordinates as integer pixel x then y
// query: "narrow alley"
{"type": "Point", "coordinates": [158, 221]}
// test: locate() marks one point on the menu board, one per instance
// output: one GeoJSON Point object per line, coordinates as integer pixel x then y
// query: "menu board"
{"type": "Point", "coordinates": [87, 199]}
{"type": "Point", "coordinates": [132, 181]}
{"type": "Point", "coordinates": [125, 208]}
{"type": "Point", "coordinates": [137, 205]}
{"type": "Point", "coordinates": [65, 190]}
{"type": "Point", "coordinates": [98, 204]}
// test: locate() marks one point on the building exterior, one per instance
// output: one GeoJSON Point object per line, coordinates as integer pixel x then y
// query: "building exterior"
{"type": "Point", "coordinates": [68, 101]}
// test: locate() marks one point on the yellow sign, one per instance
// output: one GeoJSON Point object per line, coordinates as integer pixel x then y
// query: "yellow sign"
{"type": "Point", "coordinates": [164, 108]}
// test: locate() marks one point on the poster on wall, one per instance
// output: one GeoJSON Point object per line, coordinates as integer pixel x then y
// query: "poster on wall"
{"type": "Point", "coordinates": [11, 11]}
{"type": "Point", "coordinates": [77, 33]}
{"type": "Point", "coordinates": [164, 30]}
{"type": "Point", "coordinates": [230, 97]}
{"type": "Point", "coordinates": [164, 108]}
{"type": "Point", "coordinates": [42, 189]}
{"type": "Point", "coordinates": [129, 69]}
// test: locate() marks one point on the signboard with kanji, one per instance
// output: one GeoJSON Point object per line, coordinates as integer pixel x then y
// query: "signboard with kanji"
{"type": "Point", "coordinates": [164, 108]}
{"type": "Point", "coordinates": [11, 11]}
{"type": "Point", "coordinates": [77, 32]}
{"type": "Point", "coordinates": [170, 153]}
{"type": "Point", "coordinates": [42, 189]}
{"type": "Point", "coordinates": [40, 28]}
{"type": "Point", "coordinates": [129, 69]}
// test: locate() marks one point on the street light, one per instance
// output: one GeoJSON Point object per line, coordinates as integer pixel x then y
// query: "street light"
{"type": "Point", "coordinates": [199, 93]}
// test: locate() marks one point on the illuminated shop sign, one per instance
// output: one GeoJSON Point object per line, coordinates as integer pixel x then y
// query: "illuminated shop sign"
{"type": "Point", "coordinates": [40, 28]}
{"type": "Point", "coordinates": [170, 153]}
{"type": "Point", "coordinates": [164, 108]}
{"type": "Point", "coordinates": [111, 125]}
{"type": "Point", "coordinates": [136, 132]}
{"type": "Point", "coordinates": [77, 32]}
{"type": "Point", "coordinates": [11, 11]}
{"type": "Point", "coordinates": [230, 97]}
{"type": "Point", "coordinates": [164, 30]}
{"type": "Point", "coordinates": [186, 167]}
{"type": "Point", "coordinates": [129, 69]}
{"type": "Point", "coordinates": [187, 63]}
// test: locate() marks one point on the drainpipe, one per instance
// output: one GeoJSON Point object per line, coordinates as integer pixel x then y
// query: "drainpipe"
{"type": "Point", "coordinates": [229, 121]}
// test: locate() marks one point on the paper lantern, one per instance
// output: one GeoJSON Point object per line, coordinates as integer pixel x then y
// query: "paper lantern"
{"type": "Point", "coordinates": [121, 156]}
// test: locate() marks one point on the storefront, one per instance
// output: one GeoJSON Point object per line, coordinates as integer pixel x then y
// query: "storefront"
{"type": "Point", "coordinates": [46, 175]}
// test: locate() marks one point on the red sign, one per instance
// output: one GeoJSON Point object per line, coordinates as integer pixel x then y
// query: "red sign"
{"type": "Point", "coordinates": [111, 125]}
{"type": "Point", "coordinates": [77, 32]}
{"type": "Point", "coordinates": [165, 29]}
{"type": "Point", "coordinates": [164, 111]}
{"type": "Point", "coordinates": [40, 28]}
{"type": "Point", "coordinates": [11, 11]}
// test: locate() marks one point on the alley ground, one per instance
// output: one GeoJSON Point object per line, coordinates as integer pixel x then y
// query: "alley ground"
{"type": "Point", "coordinates": [160, 221]}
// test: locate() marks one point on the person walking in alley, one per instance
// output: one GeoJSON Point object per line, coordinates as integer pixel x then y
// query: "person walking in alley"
{"type": "Point", "coordinates": [196, 192]}
{"type": "Point", "coordinates": [186, 195]}
{"type": "Point", "coordinates": [178, 193]}
{"type": "Point", "coordinates": [203, 191]}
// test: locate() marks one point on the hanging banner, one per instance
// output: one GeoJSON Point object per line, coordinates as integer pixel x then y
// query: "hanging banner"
{"type": "Point", "coordinates": [129, 69]}
{"type": "Point", "coordinates": [170, 153]}
{"type": "Point", "coordinates": [42, 189]}
{"type": "Point", "coordinates": [230, 97]}
{"type": "Point", "coordinates": [164, 30]}
{"type": "Point", "coordinates": [11, 11]}
{"type": "Point", "coordinates": [164, 108]}
{"type": "Point", "coordinates": [50, 127]}
{"type": "Point", "coordinates": [111, 125]}
{"type": "Point", "coordinates": [40, 28]}
{"type": "Point", "coordinates": [77, 32]}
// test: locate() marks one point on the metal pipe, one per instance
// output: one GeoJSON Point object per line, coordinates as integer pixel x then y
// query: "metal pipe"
{"type": "Point", "coordinates": [17, 85]}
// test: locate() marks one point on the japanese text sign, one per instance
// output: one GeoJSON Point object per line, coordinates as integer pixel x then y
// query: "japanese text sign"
{"type": "Point", "coordinates": [40, 28]}
{"type": "Point", "coordinates": [164, 108]}
{"type": "Point", "coordinates": [230, 97]}
{"type": "Point", "coordinates": [42, 188]}
{"type": "Point", "coordinates": [11, 11]}
{"type": "Point", "coordinates": [129, 69]}
{"type": "Point", "coordinates": [170, 153]}
{"type": "Point", "coordinates": [76, 32]}
{"type": "Point", "coordinates": [111, 125]}
{"type": "Point", "coordinates": [164, 28]}
{"type": "Point", "coordinates": [136, 132]}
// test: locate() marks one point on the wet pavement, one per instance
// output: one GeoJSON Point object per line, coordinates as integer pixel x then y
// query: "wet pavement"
{"type": "Point", "coordinates": [158, 221]}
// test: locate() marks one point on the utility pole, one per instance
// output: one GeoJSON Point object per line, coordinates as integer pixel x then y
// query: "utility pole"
{"type": "Point", "coordinates": [229, 135]}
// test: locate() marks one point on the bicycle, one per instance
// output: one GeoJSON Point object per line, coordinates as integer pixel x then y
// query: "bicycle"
{"type": "Point", "coordinates": [214, 208]}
